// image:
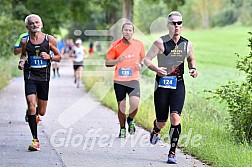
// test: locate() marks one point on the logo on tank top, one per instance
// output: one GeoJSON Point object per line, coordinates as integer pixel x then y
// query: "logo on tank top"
{"type": "Point", "coordinates": [176, 52]}
{"type": "Point", "coordinates": [37, 52]}
{"type": "Point", "coordinates": [130, 56]}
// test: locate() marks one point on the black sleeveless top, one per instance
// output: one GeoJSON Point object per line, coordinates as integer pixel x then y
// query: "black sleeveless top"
{"type": "Point", "coordinates": [173, 56]}
{"type": "Point", "coordinates": [35, 67]}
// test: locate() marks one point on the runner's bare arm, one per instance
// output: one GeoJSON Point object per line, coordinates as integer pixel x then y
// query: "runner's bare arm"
{"type": "Point", "coordinates": [23, 55]}
{"type": "Point", "coordinates": [71, 53]}
{"type": "Point", "coordinates": [191, 61]}
{"type": "Point", "coordinates": [156, 48]}
{"type": "Point", "coordinates": [140, 62]}
{"type": "Point", "coordinates": [54, 48]}
{"type": "Point", "coordinates": [113, 62]}
{"type": "Point", "coordinates": [17, 51]}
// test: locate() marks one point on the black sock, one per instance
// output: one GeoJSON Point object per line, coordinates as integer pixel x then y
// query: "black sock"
{"type": "Point", "coordinates": [37, 112]}
{"type": "Point", "coordinates": [174, 136]}
{"type": "Point", "coordinates": [129, 119]}
{"type": "Point", "coordinates": [156, 129]}
{"type": "Point", "coordinates": [33, 125]}
{"type": "Point", "coordinates": [53, 72]}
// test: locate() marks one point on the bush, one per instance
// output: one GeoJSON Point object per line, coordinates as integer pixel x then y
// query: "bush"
{"type": "Point", "coordinates": [225, 17]}
{"type": "Point", "coordinates": [239, 99]}
{"type": "Point", "coordinates": [9, 30]}
{"type": "Point", "coordinates": [246, 13]}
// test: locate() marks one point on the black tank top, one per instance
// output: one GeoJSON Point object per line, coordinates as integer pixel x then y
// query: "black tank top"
{"type": "Point", "coordinates": [35, 67]}
{"type": "Point", "coordinates": [173, 56]}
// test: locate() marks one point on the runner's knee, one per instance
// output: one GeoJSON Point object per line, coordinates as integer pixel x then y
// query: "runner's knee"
{"type": "Point", "coordinates": [122, 106]}
{"type": "Point", "coordinates": [31, 109]}
{"type": "Point", "coordinates": [175, 118]}
{"type": "Point", "coordinates": [160, 125]}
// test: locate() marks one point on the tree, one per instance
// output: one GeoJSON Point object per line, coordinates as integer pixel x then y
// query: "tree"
{"type": "Point", "coordinates": [128, 9]}
{"type": "Point", "coordinates": [9, 35]}
{"type": "Point", "coordinates": [54, 14]}
{"type": "Point", "coordinates": [174, 4]}
{"type": "Point", "coordinates": [19, 10]}
{"type": "Point", "coordinates": [145, 12]}
{"type": "Point", "coordinates": [201, 13]}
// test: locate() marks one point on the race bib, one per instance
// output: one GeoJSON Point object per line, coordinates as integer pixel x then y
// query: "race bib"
{"type": "Point", "coordinates": [125, 72]}
{"type": "Point", "coordinates": [168, 82]}
{"type": "Point", "coordinates": [37, 62]}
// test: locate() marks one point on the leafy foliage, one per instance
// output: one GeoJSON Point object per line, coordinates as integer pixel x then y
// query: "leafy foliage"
{"type": "Point", "coordinates": [224, 17]}
{"type": "Point", "coordinates": [9, 30]}
{"type": "Point", "coordinates": [54, 14]}
{"type": "Point", "coordinates": [174, 4]}
{"type": "Point", "coordinates": [239, 99]}
{"type": "Point", "coordinates": [145, 14]}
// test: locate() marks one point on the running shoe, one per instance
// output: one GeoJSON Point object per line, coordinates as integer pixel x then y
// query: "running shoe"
{"type": "Point", "coordinates": [35, 146]}
{"type": "Point", "coordinates": [154, 137]}
{"type": "Point", "coordinates": [122, 133]}
{"type": "Point", "coordinates": [172, 158]}
{"type": "Point", "coordinates": [131, 128]}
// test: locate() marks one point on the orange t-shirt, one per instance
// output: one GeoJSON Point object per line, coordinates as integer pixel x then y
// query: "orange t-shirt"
{"type": "Point", "coordinates": [134, 52]}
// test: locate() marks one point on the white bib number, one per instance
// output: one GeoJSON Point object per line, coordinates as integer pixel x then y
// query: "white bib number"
{"type": "Point", "coordinates": [37, 62]}
{"type": "Point", "coordinates": [125, 72]}
{"type": "Point", "coordinates": [168, 82]}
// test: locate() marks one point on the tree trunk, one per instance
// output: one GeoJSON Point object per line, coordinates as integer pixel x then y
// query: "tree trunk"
{"type": "Point", "coordinates": [128, 9]}
{"type": "Point", "coordinates": [205, 17]}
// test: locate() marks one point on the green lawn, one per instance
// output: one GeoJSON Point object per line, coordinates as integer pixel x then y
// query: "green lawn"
{"type": "Point", "coordinates": [204, 122]}
{"type": "Point", "coordinates": [8, 69]}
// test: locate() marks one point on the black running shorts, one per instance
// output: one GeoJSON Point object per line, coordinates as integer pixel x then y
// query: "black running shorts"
{"type": "Point", "coordinates": [76, 65]}
{"type": "Point", "coordinates": [169, 100]}
{"type": "Point", "coordinates": [41, 88]}
{"type": "Point", "coordinates": [132, 88]}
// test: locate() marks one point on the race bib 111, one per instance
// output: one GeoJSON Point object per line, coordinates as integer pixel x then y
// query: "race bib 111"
{"type": "Point", "coordinates": [37, 62]}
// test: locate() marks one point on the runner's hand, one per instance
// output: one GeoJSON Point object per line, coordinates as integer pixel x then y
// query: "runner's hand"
{"type": "Point", "coordinates": [139, 66]}
{"type": "Point", "coordinates": [121, 58]}
{"type": "Point", "coordinates": [161, 71]}
{"type": "Point", "coordinates": [21, 64]}
{"type": "Point", "coordinates": [193, 73]}
{"type": "Point", "coordinates": [45, 56]}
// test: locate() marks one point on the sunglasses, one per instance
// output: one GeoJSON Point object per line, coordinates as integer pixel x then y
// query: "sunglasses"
{"type": "Point", "coordinates": [176, 23]}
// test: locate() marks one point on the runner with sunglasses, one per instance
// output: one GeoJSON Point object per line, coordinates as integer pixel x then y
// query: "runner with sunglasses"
{"type": "Point", "coordinates": [171, 51]}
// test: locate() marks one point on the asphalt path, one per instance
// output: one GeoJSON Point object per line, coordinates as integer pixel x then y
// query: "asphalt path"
{"type": "Point", "coordinates": [76, 131]}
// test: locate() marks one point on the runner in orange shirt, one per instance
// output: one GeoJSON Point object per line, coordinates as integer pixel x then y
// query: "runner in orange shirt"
{"type": "Point", "coordinates": [126, 55]}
